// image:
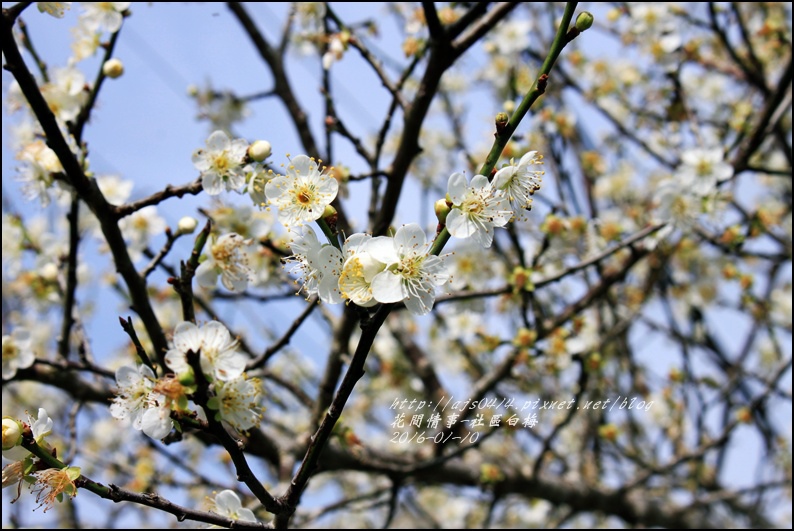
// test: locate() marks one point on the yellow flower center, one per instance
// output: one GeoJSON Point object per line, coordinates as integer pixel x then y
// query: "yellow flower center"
{"type": "Point", "coordinates": [221, 162]}
{"type": "Point", "coordinates": [10, 350]}
{"type": "Point", "coordinates": [304, 197]}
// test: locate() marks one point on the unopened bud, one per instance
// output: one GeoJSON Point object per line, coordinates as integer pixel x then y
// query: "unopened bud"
{"type": "Point", "coordinates": [524, 338]}
{"type": "Point", "coordinates": [259, 150]}
{"type": "Point", "coordinates": [743, 415]}
{"type": "Point", "coordinates": [609, 432]}
{"type": "Point", "coordinates": [442, 210]}
{"type": "Point", "coordinates": [521, 279]}
{"type": "Point", "coordinates": [501, 121]}
{"type": "Point", "coordinates": [187, 225]}
{"type": "Point", "coordinates": [187, 378]}
{"type": "Point", "coordinates": [12, 433]}
{"type": "Point", "coordinates": [49, 272]}
{"type": "Point", "coordinates": [113, 68]}
{"type": "Point", "coordinates": [584, 21]}
{"type": "Point", "coordinates": [329, 211]}
{"type": "Point", "coordinates": [331, 217]}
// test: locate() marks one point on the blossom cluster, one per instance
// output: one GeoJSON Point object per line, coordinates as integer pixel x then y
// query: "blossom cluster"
{"type": "Point", "coordinates": [49, 484]}
{"type": "Point", "coordinates": [364, 270]}
{"type": "Point", "coordinates": [149, 401]}
{"type": "Point", "coordinates": [400, 268]}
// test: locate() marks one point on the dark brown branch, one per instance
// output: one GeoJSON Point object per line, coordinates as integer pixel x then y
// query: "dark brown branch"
{"type": "Point", "coordinates": [318, 442]}
{"type": "Point", "coordinates": [63, 378]}
{"type": "Point", "coordinates": [232, 447]}
{"type": "Point", "coordinates": [284, 91]}
{"type": "Point", "coordinates": [442, 56]}
{"type": "Point", "coordinates": [130, 330]}
{"type": "Point", "coordinates": [86, 188]}
{"type": "Point", "coordinates": [193, 188]}
{"type": "Point", "coordinates": [71, 280]}
{"type": "Point", "coordinates": [767, 120]}
{"type": "Point", "coordinates": [183, 285]}
{"type": "Point", "coordinates": [434, 25]}
{"type": "Point", "coordinates": [169, 243]}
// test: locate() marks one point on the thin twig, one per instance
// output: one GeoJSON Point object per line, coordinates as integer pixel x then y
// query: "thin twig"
{"type": "Point", "coordinates": [261, 360]}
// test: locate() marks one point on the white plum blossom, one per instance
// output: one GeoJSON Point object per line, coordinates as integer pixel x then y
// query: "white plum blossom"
{"type": "Point", "coordinates": [66, 93]}
{"type": "Point", "coordinates": [257, 178]}
{"type": "Point", "coordinates": [140, 227]}
{"type": "Point", "coordinates": [156, 419]}
{"type": "Point", "coordinates": [302, 195]}
{"type": "Point", "coordinates": [654, 24]}
{"type": "Point", "coordinates": [56, 9]}
{"type": "Point", "coordinates": [39, 163]}
{"type": "Point", "coordinates": [221, 163]}
{"type": "Point", "coordinates": [226, 503]}
{"type": "Point", "coordinates": [238, 402]}
{"type": "Point", "coordinates": [228, 258]}
{"type": "Point", "coordinates": [85, 41]}
{"type": "Point", "coordinates": [411, 273]}
{"type": "Point", "coordinates": [359, 269]}
{"type": "Point", "coordinates": [134, 385]}
{"type": "Point", "coordinates": [703, 169]}
{"type": "Point", "coordinates": [17, 352]}
{"type": "Point", "coordinates": [115, 189]}
{"type": "Point", "coordinates": [146, 401]}
{"type": "Point", "coordinates": [678, 205]}
{"type": "Point", "coordinates": [476, 209]}
{"type": "Point", "coordinates": [40, 427]}
{"type": "Point", "coordinates": [219, 356]}
{"type": "Point", "coordinates": [317, 264]}
{"type": "Point", "coordinates": [220, 107]}
{"type": "Point", "coordinates": [520, 182]}
{"type": "Point", "coordinates": [336, 50]}
{"type": "Point", "coordinates": [510, 38]}
{"type": "Point", "coordinates": [468, 269]}
{"type": "Point", "coordinates": [104, 16]}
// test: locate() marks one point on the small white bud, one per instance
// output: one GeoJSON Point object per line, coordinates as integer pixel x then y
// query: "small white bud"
{"type": "Point", "coordinates": [113, 68]}
{"type": "Point", "coordinates": [12, 433]}
{"type": "Point", "coordinates": [259, 150]}
{"type": "Point", "coordinates": [187, 225]}
{"type": "Point", "coordinates": [49, 272]}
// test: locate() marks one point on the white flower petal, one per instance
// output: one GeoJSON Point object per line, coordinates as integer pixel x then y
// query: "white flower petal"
{"type": "Point", "coordinates": [212, 183]}
{"type": "Point", "coordinates": [458, 224]}
{"type": "Point", "coordinates": [387, 287]}
{"type": "Point", "coordinates": [382, 249]}
{"type": "Point", "coordinates": [218, 141]}
{"type": "Point", "coordinates": [216, 336]}
{"type": "Point", "coordinates": [187, 337]}
{"type": "Point", "coordinates": [422, 303]}
{"type": "Point", "coordinates": [156, 421]}
{"type": "Point", "coordinates": [207, 274]}
{"type": "Point", "coordinates": [456, 188]}
{"type": "Point", "coordinates": [410, 239]}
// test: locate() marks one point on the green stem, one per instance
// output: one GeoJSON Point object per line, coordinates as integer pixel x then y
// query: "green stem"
{"type": "Point", "coordinates": [537, 90]}
{"type": "Point", "coordinates": [52, 462]}
{"type": "Point", "coordinates": [332, 238]}
{"type": "Point", "coordinates": [501, 138]}
{"type": "Point", "coordinates": [148, 499]}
